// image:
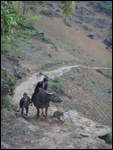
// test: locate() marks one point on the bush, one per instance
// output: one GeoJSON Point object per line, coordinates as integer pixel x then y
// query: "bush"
{"type": "Point", "coordinates": [107, 138]}
{"type": "Point", "coordinates": [105, 6]}
{"type": "Point", "coordinates": [55, 86]}
{"type": "Point", "coordinates": [10, 81]}
{"type": "Point", "coordinates": [6, 102]}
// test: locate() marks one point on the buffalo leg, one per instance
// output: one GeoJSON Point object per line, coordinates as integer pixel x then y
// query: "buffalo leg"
{"type": "Point", "coordinates": [38, 112]}
{"type": "Point", "coordinates": [46, 113]}
{"type": "Point", "coordinates": [42, 111]}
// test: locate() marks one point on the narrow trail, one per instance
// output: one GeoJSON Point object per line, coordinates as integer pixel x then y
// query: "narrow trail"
{"type": "Point", "coordinates": [29, 84]}
{"type": "Point", "coordinates": [36, 133]}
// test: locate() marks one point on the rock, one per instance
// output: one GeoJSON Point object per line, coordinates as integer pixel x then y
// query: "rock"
{"type": "Point", "coordinates": [107, 42]}
{"type": "Point", "coordinates": [57, 114]}
{"type": "Point", "coordinates": [51, 5]}
{"type": "Point", "coordinates": [76, 6]}
{"type": "Point", "coordinates": [16, 109]}
{"type": "Point", "coordinates": [49, 55]}
{"type": "Point", "coordinates": [57, 10]}
{"type": "Point", "coordinates": [71, 77]}
{"type": "Point", "coordinates": [4, 145]}
{"type": "Point", "coordinates": [89, 126]}
{"type": "Point", "coordinates": [67, 24]}
{"type": "Point", "coordinates": [12, 92]}
{"type": "Point", "coordinates": [109, 90]}
{"type": "Point", "coordinates": [69, 96]}
{"type": "Point", "coordinates": [18, 63]}
{"type": "Point", "coordinates": [46, 40]}
{"type": "Point", "coordinates": [90, 35]}
{"type": "Point", "coordinates": [28, 70]}
{"type": "Point", "coordinates": [18, 74]}
{"type": "Point", "coordinates": [3, 66]}
{"type": "Point", "coordinates": [5, 89]}
{"type": "Point", "coordinates": [79, 22]}
{"type": "Point", "coordinates": [85, 27]}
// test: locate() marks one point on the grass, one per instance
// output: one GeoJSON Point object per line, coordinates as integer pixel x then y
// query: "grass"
{"type": "Point", "coordinates": [93, 82]}
{"type": "Point", "coordinates": [6, 102]}
{"type": "Point", "coordinates": [51, 66]}
{"type": "Point", "coordinates": [70, 56]}
{"type": "Point", "coordinates": [94, 101]}
{"type": "Point", "coordinates": [109, 63]}
{"type": "Point", "coordinates": [106, 75]}
{"type": "Point", "coordinates": [6, 47]}
{"type": "Point", "coordinates": [62, 82]}
{"type": "Point", "coordinates": [8, 78]}
{"type": "Point", "coordinates": [104, 6]}
{"type": "Point", "coordinates": [80, 113]}
{"type": "Point", "coordinates": [17, 51]}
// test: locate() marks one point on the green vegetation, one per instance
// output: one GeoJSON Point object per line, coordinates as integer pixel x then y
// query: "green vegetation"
{"type": "Point", "coordinates": [55, 86]}
{"type": "Point", "coordinates": [67, 6]}
{"type": "Point", "coordinates": [107, 138]}
{"type": "Point", "coordinates": [80, 113]}
{"type": "Point", "coordinates": [58, 84]}
{"type": "Point", "coordinates": [6, 102]}
{"type": "Point", "coordinates": [105, 6]}
{"type": "Point", "coordinates": [19, 25]}
{"type": "Point", "coordinates": [6, 47]}
{"type": "Point", "coordinates": [18, 51]}
{"type": "Point", "coordinates": [93, 82]}
{"type": "Point", "coordinates": [106, 75]}
{"type": "Point", "coordinates": [8, 78]}
{"type": "Point", "coordinates": [15, 25]}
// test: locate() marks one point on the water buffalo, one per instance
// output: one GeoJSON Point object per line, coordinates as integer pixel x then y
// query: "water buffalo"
{"type": "Point", "coordinates": [42, 100]}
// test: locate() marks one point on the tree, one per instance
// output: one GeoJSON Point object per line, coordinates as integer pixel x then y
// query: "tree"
{"type": "Point", "coordinates": [68, 6]}
{"type": "Point", "coordinates": [14, 23]}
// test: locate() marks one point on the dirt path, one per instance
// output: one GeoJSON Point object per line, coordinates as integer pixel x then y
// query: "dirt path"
{"type": "Point", "coordinates": [69, 132]}
{"type": "Point", "coordinates": [29, 84]}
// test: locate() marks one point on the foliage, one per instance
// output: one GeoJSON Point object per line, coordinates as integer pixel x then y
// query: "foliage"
{"type": "Point", "coordinates": [68, 6]}
{"type": "Point", "coordinates": [5, 47]}
{"type": "Point", "coordinates": [15, 25]}
{"type": "Point", "coordinates": [7, 18]}
{"type": "Point", "coordinates": [18, 51]}
{"type": "Point", "coordinates": [58, 82]}
{"type": "Point", "coordinates": [55, 86]}
{"type": "Point", "coordinates": [105, 6]}
{"type": "Point", "coordinates": [107, 138]}
{"type": "Point", "coordinates": [8, 78]}
{"type": "Point", "coordinates": [6, 102]}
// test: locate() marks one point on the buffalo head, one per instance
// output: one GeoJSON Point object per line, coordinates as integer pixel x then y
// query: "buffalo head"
{"type": "Point", "coordinates": [53, 97]}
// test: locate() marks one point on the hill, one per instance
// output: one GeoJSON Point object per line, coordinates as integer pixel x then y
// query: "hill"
{"type": "Point", "coordinates": [66, 42]}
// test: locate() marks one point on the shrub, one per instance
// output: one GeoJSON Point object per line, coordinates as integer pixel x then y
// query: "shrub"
{"type": "Point", "coordinates": [6, 102]}
{"type": "Point", "coordinates": [105, 6]}
{"type": "Point", "coordinates": [107, 138]}
{"type": "Point", "coordinates": [8, 78]}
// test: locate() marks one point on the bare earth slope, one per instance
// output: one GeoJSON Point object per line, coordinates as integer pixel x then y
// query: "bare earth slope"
{"type": "Point", "coordinates": [61, 48]}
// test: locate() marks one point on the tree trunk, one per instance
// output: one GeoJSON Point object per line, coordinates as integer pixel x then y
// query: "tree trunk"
{"type": "Point", "coordinates": [24, 6]}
